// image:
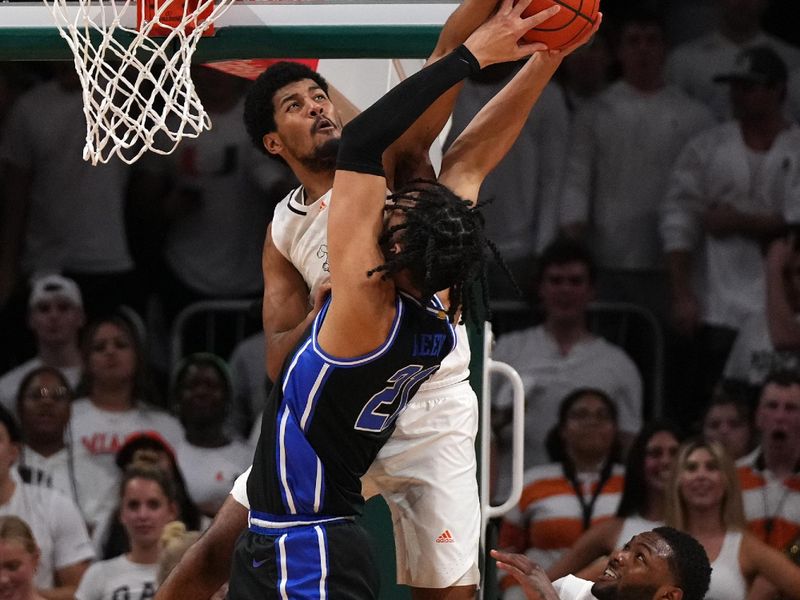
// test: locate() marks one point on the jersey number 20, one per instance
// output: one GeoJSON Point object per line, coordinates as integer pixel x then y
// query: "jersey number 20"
{"type": "Point", "coordinates": [383, 408]}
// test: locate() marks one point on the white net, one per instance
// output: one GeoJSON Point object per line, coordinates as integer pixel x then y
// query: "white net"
{"type": "Point", "coordinates": [138, 93]}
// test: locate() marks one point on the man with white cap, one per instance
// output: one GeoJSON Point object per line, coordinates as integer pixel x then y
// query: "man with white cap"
{"type": "Point", "coordinates": [55, 315]}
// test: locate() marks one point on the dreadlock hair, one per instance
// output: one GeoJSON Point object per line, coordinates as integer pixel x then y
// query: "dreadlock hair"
{"type": "Point", "coordinates": [442, 243]}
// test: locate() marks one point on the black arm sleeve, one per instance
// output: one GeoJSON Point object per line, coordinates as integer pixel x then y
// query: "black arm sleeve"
{"type": "Point", "coordinates": [366, 137]}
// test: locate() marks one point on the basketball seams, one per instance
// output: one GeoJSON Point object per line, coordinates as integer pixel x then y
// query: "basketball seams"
{"type": "Point", "coordinates": [564, 28]}
{"type": "Point", "coordinates": [578, 12]}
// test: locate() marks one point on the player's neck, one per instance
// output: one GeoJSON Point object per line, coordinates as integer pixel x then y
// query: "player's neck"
{"type": "Point", "coordinates": [315, 183]}
{"type": "Point", "coordinates": [45, 445]}
{"type": "Point", "coordinates": [739, 35]}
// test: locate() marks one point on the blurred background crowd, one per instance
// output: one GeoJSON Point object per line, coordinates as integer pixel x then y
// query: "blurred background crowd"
{"type": "Point", "coordinates": [650, 213]}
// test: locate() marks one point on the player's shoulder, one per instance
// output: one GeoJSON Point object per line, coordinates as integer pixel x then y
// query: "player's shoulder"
{"type": "Point", "coordinates": [290, 205]}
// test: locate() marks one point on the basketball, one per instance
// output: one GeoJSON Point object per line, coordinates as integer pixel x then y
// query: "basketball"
{"type": "Point", "coordinates": [563, 29]}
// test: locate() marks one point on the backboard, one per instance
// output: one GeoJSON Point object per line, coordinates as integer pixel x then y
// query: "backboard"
{"type": "Point", "coordinates": [263, 28]}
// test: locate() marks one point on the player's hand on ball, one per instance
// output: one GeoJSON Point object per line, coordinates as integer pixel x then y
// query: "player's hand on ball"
{"type": "Point", "coordinates": [499, 39]}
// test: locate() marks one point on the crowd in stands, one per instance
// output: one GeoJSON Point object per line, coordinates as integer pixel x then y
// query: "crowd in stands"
{"type": "Point", "coordinates": [660, 170]}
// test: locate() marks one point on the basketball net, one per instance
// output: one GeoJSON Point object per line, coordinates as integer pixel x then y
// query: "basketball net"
{"type": "Point", "coordinates": [138, 93]}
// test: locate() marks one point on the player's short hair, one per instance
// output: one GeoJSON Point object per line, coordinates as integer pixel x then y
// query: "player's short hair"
{"type": "Point", "coordinates": [565, 250]}
{"type": "Point", "coordinates": [781, 378]}
{"type": "Point", "coordinates": [259, 110]}
{"type": "Point", "coordinates": [443, 244]}
{"type": "Point", "coordinates": [688, 562]}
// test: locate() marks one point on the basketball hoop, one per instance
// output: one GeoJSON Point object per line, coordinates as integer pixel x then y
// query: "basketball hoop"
{"type": "Point", "coordinates": [138, 93]}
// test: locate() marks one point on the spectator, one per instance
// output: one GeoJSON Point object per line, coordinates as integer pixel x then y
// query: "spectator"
{"type": "Point", "coordinates": [704, 500]}
{"type": "Point", "coordinates": [20, 560]}
{"type": "Point", "coordinates": [623, 146]}
{"type": "Point", "coordinates": [148, 446]}
{"type": "Point", "coordinates": [769, 340]}
{"type": "Point", "coordinates": [209, 458]}
{"type": "Point", "coordinates": [147, 504]}
{"type": "Point", "coordinates": [731, 190]}
{"type": "Point", "coordinates": [693, 65]}
{"type": "Point", "coordinates": [118, 399]}
{"type": "Point", "coordinates": [521, 217]}
{"type": "Point", "coordinates": [65, 549]}
{"type": "Point", "coordinates": [250, 384]}
{"type": "Point", "coordinates": [582, 487]}
{"type": "Point", "coordinates": [46, 456]}
{"type": "Point", "coordinates": [562, 355]}
{"type": "Point", "coordinates": [641, 508]}
{"type": "Point", "coordinates": [585, 73]}
{"type": "Point", "coordinates": [55, 314]}
{"type": "Point", "coordinates": [770, 480]}
{"type": "Point", "coordinates": [729, 422]}
{"type": "Point", "coordinates": [214, 195]}
{"type": "Point", "coordinates": [62, 214]}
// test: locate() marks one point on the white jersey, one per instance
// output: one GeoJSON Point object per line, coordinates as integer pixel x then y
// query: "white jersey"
{"type": "Point", "coordinates": [299, 232]}
{"type": "Point", "coordinates": [57, 527]}
{"type": "Point", "coordinates": [118, 579]}
{"type": "Point", "coordinates": [210, 472]}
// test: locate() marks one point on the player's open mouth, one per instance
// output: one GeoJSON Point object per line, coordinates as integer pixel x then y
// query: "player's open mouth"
{"type": "Point", "coordinates": [323, 125]}
{"type": "Point", "coordinates": [609, 573]}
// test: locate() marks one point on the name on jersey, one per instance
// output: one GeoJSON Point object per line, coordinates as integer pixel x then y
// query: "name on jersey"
{"type": "Point", "coordinates": [428, 344]}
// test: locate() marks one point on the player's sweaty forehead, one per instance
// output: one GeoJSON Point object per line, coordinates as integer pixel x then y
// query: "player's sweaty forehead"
{"type": "Point", "coordinates": [651, 543]}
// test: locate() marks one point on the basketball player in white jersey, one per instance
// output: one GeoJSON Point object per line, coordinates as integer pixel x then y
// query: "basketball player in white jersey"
{"type": "Point", "coordinates": [427, 470]}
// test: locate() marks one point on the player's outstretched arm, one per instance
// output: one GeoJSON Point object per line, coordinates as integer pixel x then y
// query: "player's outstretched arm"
{"type": "Point", "coordinates": [362, 308]}
{"type": "Point", "coordinates": [530, 576]}
{"type": "Point", "coordinates": [490, 135]}
{"type": "Point", "coordinates": [408, 157]}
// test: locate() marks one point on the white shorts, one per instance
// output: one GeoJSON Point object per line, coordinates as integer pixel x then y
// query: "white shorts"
{"type": "Point", "coordinates": [427, 474]}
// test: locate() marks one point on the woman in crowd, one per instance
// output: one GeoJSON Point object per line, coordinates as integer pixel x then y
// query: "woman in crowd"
{"type": "Point", "coordinates": [117, 401]}
{"type": "Point", "coordinates": [147, 504]}
{"type": "Point", "coordinates": [209, 458]}
{"type": "Point", "coordinates": [641, 508]}
{"type": "Point", "coordinates": [46, 454]}
{"type": "Point", "coordinates": [19, 559]}
{"type": "Point", "coordinates": [563, 499]}
{"type": "Point", "coordinates": [703, 499]}
{"type": "Point", "coordinates": [150, 447]}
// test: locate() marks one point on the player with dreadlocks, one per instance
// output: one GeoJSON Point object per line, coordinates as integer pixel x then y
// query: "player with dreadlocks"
{"type": "Point", "coordinates": [373, 343]}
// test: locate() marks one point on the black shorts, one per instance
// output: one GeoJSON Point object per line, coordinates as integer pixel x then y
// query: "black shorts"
{"type": "Point", "coordinates": [331, 561]}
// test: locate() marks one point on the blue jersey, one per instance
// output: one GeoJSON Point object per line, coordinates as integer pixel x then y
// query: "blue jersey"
{"type": "Point", "coordinates": [327, 419]}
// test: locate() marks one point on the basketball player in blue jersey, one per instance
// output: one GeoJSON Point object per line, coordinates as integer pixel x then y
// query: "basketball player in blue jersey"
{"type": "Point", "coordinates": [476, 152]}
{"type": "Point", "coordinates": [380, 335]}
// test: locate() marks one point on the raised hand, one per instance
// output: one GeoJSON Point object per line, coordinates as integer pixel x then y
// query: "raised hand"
{"type": "Point", "coordinates": [498, 39]}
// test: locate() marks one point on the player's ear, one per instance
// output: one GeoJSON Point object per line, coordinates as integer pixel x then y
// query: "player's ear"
{"type": "Point", "coordinates": [272, 143]}
{"type": "Point", "coordinates": [669, 592]}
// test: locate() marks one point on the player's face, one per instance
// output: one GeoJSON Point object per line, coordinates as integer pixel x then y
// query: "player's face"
{"type": "Point", "coordinates": [145, 510]}
{"type": "Point", "coordinates": [112, 357]}
{"type": "Point", "coordinates": [308, 127]}
{"type": "Point", "coordinates": [640, 571]}
{"type": "Point", "coordinates": [778, 416]}
{"type": "Point", "coordinates": [724, 424]}
{"type": "Point", "coordinates": [17, 569]}
{"type": "Point", "coordinates": [44, 409]}
{"type": "Point", "coordinates": [701, 482]}
{"type": "Point", "coordinates": [202, 395]}
{"type": "Point", "coordinates": [55, 320]}
{"type": "Point", "coordinates": [565, 291]}
{"type": "Point", "coordinates": [658, 460]}
{"type": "Point", "coordinates": [589, 428]}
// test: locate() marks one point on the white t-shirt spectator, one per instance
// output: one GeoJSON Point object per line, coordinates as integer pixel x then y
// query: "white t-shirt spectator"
{"type": "Point", "coordinates": [57, 526]}
{"type": "Point", "coordinates": [118, 579]}
{"type": "Point", "coordinates": [210, 472]}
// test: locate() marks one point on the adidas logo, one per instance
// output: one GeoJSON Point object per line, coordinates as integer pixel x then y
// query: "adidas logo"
{"type": "Point", "coordinates": [445, 538]}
